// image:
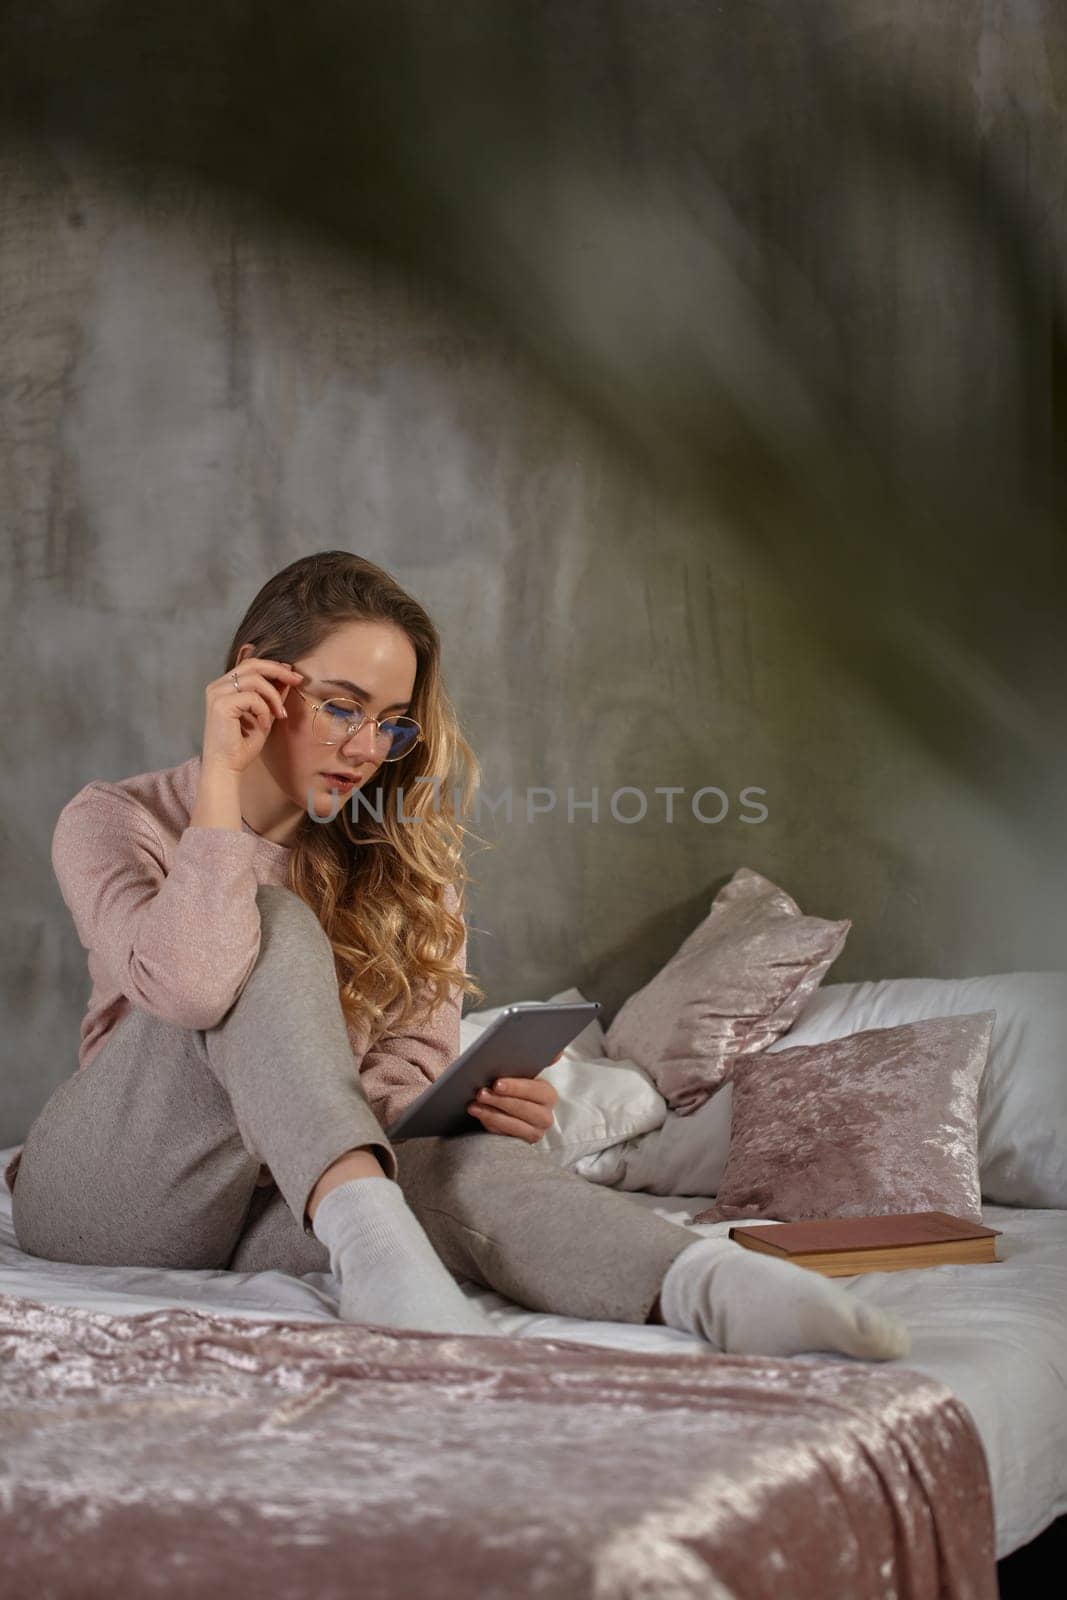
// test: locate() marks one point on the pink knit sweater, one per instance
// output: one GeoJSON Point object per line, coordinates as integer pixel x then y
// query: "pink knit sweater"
{"type": "Point", "coordinates": [169, 918]}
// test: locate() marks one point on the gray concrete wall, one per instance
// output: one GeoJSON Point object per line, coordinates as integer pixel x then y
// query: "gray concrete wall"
{"type": "Point", "coordinates": [195, 394]}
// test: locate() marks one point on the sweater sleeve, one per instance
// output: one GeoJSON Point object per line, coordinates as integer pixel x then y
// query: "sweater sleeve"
{"type": "Point", "coordinates": [179, 944]}
{"type": "Point", "coordinates": [399, 1066]}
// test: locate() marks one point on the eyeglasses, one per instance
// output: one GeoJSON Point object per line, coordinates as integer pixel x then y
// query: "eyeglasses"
{"type": "Point", "coordinates": [336, 721]}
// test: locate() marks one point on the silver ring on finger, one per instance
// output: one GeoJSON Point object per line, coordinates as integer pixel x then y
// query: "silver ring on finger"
{"type": "Point", "coordinates": [236, 681]}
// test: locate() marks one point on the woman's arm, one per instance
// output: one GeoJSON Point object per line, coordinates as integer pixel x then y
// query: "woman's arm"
{"type": "Point", "coordinates": [179, 944]}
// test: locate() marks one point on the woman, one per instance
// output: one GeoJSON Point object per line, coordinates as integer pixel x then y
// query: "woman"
{"type": "Point", "coordinates": [277, 974]}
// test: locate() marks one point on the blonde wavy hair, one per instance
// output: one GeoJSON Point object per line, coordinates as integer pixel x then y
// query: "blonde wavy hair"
{"type": "Point", "coordinates": [378, 888]}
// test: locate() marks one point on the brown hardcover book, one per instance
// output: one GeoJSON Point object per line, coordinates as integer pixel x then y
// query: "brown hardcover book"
{"type": "Point", "coordinates": [838, 1247]}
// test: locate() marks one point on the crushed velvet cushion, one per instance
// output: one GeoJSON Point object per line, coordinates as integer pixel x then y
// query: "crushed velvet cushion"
{"type": "Point", "coordinates": [735, 984]}
{"type": "Point", "coordinates": [878, 1122]}
{"type": "Point", "coordinates": [1022, 1102]}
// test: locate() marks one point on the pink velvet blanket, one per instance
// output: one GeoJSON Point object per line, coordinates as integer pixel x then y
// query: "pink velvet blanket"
{"type": "Point", "coordinates": [178, 1453]}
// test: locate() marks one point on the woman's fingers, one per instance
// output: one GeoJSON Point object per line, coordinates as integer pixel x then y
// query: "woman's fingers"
{"type": "Point", "coordinates": [258, 682]}
{"type": "Point", "coordinates": [536, 1112]}
{"type": "Point", "coordinates": [539, 1090]}
{"type": "Point", "coordinates": [265, 674]}
{"type": "Point", "coordinates": [528, 1104]}
{"type": "Point", "coordinates": [522, 1107]}
{"type": "Point", "coordinates": [500, 1122]}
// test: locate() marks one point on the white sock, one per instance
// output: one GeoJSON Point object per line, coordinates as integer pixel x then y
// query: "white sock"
{"type": "Point", "coordinates": [751, 1304]}
{"type": "Point", "coordinates": [390, 1273]}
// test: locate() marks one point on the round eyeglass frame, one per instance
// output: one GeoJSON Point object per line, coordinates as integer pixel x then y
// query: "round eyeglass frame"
{"type": "Point", "coordinates": [357, 723]}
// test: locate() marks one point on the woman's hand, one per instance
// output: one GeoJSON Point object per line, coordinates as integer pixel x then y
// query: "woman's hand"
{"type": "Point", "coordinates": [237, 721]}
{"type": "Point", "coordinates": [522, 1107]}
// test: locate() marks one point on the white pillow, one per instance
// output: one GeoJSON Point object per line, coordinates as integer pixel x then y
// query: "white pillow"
{"type": "Point", "coordinates": [682, 1156]}
{"type": "Point", "coordinates": [1022, 1096]}
{"type": "Point", "coordinates": [602, 1101]}
{"type": "Point", "coordinates": [619, 1132]}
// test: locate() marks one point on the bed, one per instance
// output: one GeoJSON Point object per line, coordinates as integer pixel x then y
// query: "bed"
{"type": "Point", "coordinates": [992, 1336]}
{"type": "Point", "coordinates": [165, 1431]}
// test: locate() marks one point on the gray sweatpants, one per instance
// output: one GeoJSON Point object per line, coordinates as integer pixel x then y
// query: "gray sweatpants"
{"type": "Point", "coordinates": [149, 1156]}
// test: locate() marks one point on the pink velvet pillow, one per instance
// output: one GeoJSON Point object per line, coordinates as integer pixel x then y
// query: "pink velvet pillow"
{"type": "Point", "coordinates": [878, 1122]}
{"type": "Point", "coordinates": [739, 981]}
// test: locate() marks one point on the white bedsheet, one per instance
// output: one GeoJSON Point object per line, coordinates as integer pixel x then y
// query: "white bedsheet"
{"type": "Point", "coordinates": [997, 1335]}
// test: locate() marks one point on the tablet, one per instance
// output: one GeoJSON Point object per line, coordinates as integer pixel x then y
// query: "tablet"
{"type": "Point", "coordinates": [524, 1040]}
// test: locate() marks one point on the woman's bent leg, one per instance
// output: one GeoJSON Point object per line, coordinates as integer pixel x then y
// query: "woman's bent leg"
{"type": "Point", "coordinates": [149, 1156]}
{"type": "Point", "coordinates": [136, 1160]}
{"type": "Point", "coordinates": [283, 1054]}
{"type": "Point", "coordinates": [501, 1212]}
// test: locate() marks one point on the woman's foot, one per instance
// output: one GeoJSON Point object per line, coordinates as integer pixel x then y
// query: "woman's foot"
{"type": "Point", "coordinates": [750, 1304]}
{"type": "Point", "coordinates": [390, 1273]}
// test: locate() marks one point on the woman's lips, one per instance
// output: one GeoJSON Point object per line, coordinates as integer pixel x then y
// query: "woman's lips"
{"type": "Point", "coordinates": [339, 781]}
